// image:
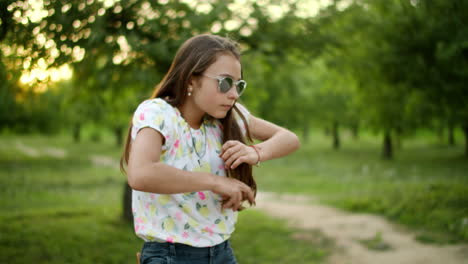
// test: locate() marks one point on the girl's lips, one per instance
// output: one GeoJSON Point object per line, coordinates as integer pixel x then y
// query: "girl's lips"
{"type": "Point", "coordinates": [226, 106]}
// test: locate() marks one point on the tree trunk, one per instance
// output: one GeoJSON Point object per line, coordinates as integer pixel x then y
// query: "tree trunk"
{"type": "Point", "coordinates": [118, 132]}
{"type": "Point", "coordinates": [127, 213]}
{"type": "Point", "coordinates": [465, 132]}
{"type": "Point", "coordinates": [76, 132]}
{"type": "Point", "coordinates": [451, 136]}
{"type": "Point", "coordinates": [398, 135]}
{"type": "Point", "coordinates": [440, 133]}
{"type": "Point", "coordinates": [355, 131]}
{"type": "Point", "coordinates": [387, 151]}
{"type": "Point", "coordinates": [336, 136]}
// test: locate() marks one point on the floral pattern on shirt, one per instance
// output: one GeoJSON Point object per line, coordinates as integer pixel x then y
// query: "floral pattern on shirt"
{"type": "Point", "coordinates": [193, 218]}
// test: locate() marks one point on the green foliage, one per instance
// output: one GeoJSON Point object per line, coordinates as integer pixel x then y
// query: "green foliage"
{"type": "Point", "coordinates": [397, 54]}
{"type": "Point", "coordinates": [119, 52]}
{"type": "Point", "coordinates": [392, 66]}
{"type": "Point", "coordinates": [8, 105]}
{"type": "Point", "coordinates": [273, 79]}
{"type": "Point", "coordinates": [35, 113]}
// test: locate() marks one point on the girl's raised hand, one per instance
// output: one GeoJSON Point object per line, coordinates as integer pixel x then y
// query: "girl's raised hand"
{"type": "Point", "coordinates": [235, 153]}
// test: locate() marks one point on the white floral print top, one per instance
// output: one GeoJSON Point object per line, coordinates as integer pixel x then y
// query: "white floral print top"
{"type": "Point", "coordinates": [194, 218]}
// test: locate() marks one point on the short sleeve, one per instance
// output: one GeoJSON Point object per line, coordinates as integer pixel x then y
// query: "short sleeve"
{"type": "Point", "coordinates": [239, 120]}
{"type": "Point", "coordinates": [157, 114]}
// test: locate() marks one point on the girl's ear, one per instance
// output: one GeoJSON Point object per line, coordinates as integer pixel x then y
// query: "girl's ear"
{"type": "Point", "coordinates": [194, 81]}
{"type": "Point", "coordinates": [191, 81]}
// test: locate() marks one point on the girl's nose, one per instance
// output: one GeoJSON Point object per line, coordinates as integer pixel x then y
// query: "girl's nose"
{"type": "Point", "coordinates": [232, 93]}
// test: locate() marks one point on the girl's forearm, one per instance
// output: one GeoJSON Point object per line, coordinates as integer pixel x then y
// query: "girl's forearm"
{"type": "Point", "coordinates": [280, 144]}
{"type": "Point", "coordinates": [160, 178]}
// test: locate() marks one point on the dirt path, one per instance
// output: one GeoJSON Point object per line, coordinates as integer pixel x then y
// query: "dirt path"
{"type": "Point", "coordinates": [347, 229]}
{"type": "Point", "coordinates": [28, 151]}
{"type": "Point", "coordinates": [105, 161]}
{"type": "Point", "coordinates": [34, 153]}
{"type": "Point", "coordinates": [97, 160]}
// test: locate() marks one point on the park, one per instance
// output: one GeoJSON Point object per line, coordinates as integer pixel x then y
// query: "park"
{"type": "Point", "coordinates": [375, 90]}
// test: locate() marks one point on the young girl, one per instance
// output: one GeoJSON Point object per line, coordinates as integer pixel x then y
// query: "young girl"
{"type": "Point", "coordinates": [187, 159]}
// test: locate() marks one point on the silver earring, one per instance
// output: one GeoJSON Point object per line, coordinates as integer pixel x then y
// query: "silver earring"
{"type": "Point", "coordinates": [190, 91]}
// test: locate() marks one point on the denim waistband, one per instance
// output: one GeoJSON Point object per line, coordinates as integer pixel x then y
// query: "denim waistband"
{"type": "Point", "coordinates": [178, 248]}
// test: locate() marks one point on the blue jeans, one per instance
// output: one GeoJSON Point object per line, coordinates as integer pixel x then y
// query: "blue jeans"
{"type": "Point", "coordinates": [175, 253]}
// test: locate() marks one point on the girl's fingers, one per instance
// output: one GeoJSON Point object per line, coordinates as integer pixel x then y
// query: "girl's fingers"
{"type": "Point", "coordinates": [233, 200]}
{"type": "Point", "coordinates": [250, 195]}
{"type": "Point", "coordinates": [241, 156]}
{"type": "Point", "coordinates": [235, 156]}
{"type": "Point", "coordinates": [230, 151]}
{"type": "Point", "coordinates": [238, 203]}
{"type": "Point", "coordinates": [238, 162]}
{"type": "Point", "coordinates": [227, 145]}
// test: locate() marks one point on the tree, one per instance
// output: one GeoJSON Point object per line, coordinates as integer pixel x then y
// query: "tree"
{"type": "Point", "coordinates": [408, 58]}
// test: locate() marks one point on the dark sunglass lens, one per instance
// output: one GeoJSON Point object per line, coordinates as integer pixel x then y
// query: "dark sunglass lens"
{"type": "Point", "coordinates": [241, 85]}
{"type": "Point", "coordinates": [225, 84]}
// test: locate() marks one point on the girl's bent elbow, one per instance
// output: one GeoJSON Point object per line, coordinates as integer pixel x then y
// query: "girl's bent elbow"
{"type": "Point", "coordinates": [134, 181]}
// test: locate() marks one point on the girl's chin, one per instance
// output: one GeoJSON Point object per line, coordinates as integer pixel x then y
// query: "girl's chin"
{"type": "Point", "coordinates": [219, 114]}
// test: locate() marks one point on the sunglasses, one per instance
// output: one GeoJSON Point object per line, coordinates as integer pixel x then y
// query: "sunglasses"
{"type": "Point", "coordinates": [225, 84]}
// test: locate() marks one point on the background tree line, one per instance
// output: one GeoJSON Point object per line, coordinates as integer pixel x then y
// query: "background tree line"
{"type": "Point", "coordinates": [392, 66]}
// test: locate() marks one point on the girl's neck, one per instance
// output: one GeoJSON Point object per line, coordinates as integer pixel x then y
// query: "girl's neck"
{"type": "Point", "coordinates": [191, 114]}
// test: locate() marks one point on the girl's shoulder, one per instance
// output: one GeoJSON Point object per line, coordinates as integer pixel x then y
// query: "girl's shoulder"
{"type": "Point", "coordinates": [157, 107]}
{"type": "Point", "coordinates": [157, 114]}
{"type": "Point", "coordinates": [155, 111]}
{"type": "Point", "coordinates": [156, 104]}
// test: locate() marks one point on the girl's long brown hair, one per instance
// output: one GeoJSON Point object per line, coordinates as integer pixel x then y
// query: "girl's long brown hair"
{"type": "Point", "coordinates": [192, 59]}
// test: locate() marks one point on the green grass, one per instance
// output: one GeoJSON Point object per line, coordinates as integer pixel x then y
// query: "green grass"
{"type": "Point", "coordinates": [376, 243]}
{"type": "Point", "coordinates": [67, 210]}
{"type": "Point", "coordinates": [262, 240]}
{"type": "Point", "coordinates": [424, 187]}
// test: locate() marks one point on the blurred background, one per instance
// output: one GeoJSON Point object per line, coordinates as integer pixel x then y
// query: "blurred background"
{"type": "Point", "coordinates": [376, 90]}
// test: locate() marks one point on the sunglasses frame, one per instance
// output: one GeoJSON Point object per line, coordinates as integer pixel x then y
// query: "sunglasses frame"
{"type": "Point", "coordinates": [235, 83]}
